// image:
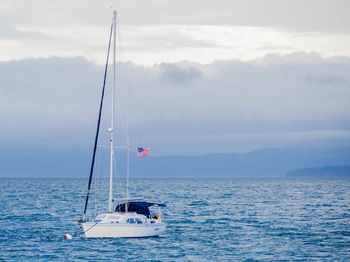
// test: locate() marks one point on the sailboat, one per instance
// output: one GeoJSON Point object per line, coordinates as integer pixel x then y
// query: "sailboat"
{"type": "Point", "coordinates": [126, 217]}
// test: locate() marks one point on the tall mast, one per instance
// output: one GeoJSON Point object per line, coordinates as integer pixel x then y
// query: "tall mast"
{"type": "Point", "coordinates": [111, 129]}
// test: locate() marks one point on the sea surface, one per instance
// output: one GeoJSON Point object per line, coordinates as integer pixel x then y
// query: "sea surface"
{"type": "Point", "coordinates": [207, 220]}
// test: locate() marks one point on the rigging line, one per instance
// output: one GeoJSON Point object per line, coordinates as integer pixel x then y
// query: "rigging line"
{"type": "Point", "coordinates": [123, 124]}
{"type": "Point", "coordinates": [97, 177]}
{"type": "Point", "coordinates": [95, 184]}
{"type": "Point", "coordinates": [118, 178]}
{"type": "Point", "coordinates": [100, 195]}
{"type": "Point", "coordinates": [98, 124]}
{"type": "Point", "coordinates": [129, 91]}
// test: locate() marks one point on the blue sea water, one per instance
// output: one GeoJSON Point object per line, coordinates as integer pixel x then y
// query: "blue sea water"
{"type": "Point", "coordinates": [207, 220]}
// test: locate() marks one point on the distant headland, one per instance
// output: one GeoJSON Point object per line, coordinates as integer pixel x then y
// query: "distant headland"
{"type": "Point", "coordinates": [327, 172]}
{"type": "Point", "coordinates": [262, 163]}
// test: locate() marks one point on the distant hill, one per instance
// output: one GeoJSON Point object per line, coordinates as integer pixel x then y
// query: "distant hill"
{"type": "Point", "coordinates": [320, 172]}
{"type": "Point", "coordinates": [262, 163]}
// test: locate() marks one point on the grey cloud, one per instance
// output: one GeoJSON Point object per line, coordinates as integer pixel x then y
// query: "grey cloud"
{"type": "Point", "coordinates": [178, 74]}
{"type": "Point", "coordinates": [328, 80]}
{"type": "Point", "coordinates": [221, 105]}
{"type": "Point", "coordinates": [274, 47]}
{"type": "Point", "coordinates": [8, 31]}
{"type": "Point", "coordinates": [165, 41]}
{"type": "Point", "coordinates": [45, 99]}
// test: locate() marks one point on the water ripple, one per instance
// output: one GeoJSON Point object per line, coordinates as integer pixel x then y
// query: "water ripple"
{"type": "Point", "coordinates": [208, 219]}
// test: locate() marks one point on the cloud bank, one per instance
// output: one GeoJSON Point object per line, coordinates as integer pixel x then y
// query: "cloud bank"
{"type": "Point", "coordinates": [181, 108]}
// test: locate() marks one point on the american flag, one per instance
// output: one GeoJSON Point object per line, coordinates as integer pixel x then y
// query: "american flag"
{"type": "Point", "coordinates": [142, 152]}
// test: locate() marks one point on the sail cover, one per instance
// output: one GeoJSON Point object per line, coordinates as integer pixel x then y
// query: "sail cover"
{"type": "Point", "coordinates": [137, 207]}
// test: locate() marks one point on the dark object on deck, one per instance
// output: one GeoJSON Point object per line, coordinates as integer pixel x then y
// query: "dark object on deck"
{"type": "Point", "coordinates": [137, 207]}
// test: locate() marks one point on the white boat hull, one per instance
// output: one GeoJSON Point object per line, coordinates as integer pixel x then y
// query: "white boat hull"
{"type": "Point", "coordinates": [110, 230]}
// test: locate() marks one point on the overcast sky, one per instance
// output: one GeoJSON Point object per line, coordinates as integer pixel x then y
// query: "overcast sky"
{"type": "Point", "coordinates": [202, 76]}
{"type": "Point", "coordinates": [156, 31]}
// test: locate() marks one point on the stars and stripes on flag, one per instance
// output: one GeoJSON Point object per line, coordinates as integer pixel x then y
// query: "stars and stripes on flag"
{"type": "Point", "coordinates": [142, 151]}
